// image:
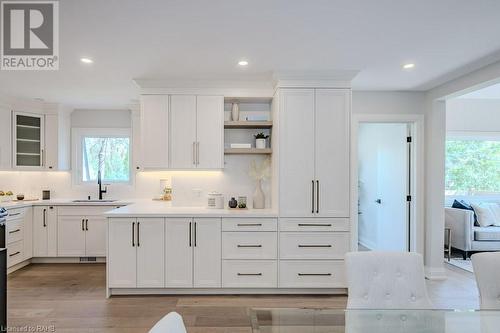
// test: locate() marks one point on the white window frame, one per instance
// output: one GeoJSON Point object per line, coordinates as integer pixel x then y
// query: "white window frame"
{"type": "Point", "coordinates": [77, 136]}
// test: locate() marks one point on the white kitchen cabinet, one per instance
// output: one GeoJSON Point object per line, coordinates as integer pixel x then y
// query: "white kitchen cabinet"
{"type": "Point", "coordinates": [154, 131]}
{"type": "Point", "coordinates": [196, 131]}
{"type": "Point", "coordinates": [314, 152]}
{"type": "Point", "coordinates": [207, 253]}
{"type": "Point", "coordinates": [179, 253]}
{"type": "Point", "coordinates": [28, 140]}
{"type": "Point", "coordinates": [209, 132]}
{"type": "Point", "coordinates": [135, 253]}
{"type": "Point", "coordinates": [183, 131]}
{"type": "Point", "coordinates": [296, 148]}
{"type": "Point", "coordinates": [5, 139]}
{"type": "Point", "coordinates": [95, 236]}
{"type": "Point", "coordinates": [51, 155]}
{"type": "Point", "coordinates": [71, 236]}
{"type": "Point", "coordinates": [44, 231]}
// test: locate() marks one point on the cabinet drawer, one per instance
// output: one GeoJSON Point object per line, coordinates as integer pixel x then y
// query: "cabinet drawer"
{"type": "Point", "coordinates": [17, 213]}
{"type": "Point", "coordinates": [314, 224]}
{"type": "Point", "coordinates": [15, 253]}
{"type": "Point", "coordinates": [312, 274]}
{"type": "Point", "coordinates": [249, 274]}
{"type": "Point", "coordinates": [84, 210]}
{"type": "Point", "coordinates": [249, 245]}
{"type": "Point", "coordinates": [249, 224]}
{"type": "Point", "coordinates": [14, 231]}
{"type": "Point", "coordinates": [313, 245]}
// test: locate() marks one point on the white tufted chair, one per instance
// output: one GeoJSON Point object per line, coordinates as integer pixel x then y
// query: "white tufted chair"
{"type": "Point", "coordinates": [171, 323]}
{"type": "Point", "coordinates": [386, 280]}
{"type": "Point", "coordinates": [487, 270]}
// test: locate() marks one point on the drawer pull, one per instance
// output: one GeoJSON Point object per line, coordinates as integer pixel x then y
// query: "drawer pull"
{"type": "Point", "coordinates": [315, 274]}
{"type": "Point", "coordinates": [326, 245]}
{"type": "Point", "coordinates": [249, 274]}
{"type": "Point", "coordinates": [14, 254]}
{"type": "Point", "coordinates": [14, 231]}
{"type": "Point", "coordinates": [14, 214]}
{"type": "Point", "coordinates": [315, 224]}
{"type": "Point", "coordinates": [249, 245]}
{"type": "Point", "coordinates": [249, 224]}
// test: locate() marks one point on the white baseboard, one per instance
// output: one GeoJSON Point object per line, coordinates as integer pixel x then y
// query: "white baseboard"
{"type": "Point", "coordinates": [435, 273]}
{"type": "Point", "coordinates": [226, 291]}
{"type": "Point", "coordinates": [66, 260]}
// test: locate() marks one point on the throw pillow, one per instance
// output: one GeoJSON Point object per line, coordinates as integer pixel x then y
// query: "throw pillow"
{"type": "Point", "coordinates": [484, 213]}
{"type": "Point", "coordinates": [463, 205]}
{"type": "Point", "coordinates": [495, 208]}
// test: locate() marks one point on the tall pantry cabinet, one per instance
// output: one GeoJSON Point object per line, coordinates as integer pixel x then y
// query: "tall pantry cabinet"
{"type": "Point", "coordinates": [314, 152]}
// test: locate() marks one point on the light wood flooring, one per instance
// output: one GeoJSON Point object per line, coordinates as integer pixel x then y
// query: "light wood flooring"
{"type": "Point", "coordinates": [71, 298]}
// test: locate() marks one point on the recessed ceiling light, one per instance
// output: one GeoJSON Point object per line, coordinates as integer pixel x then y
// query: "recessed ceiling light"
{"type": "Point", "coordinates": [86, 60]}
{"type": "Point", "coordinates": [408, 66]}
{"type": "Point", "coordinates": [243, 63]}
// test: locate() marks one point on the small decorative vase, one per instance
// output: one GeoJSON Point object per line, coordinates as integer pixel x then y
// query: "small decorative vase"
{"type": "Point", "coordinates": [233, 203]}
{"type": "Point", "coordinates": [259, 200]}
{"type": "Point", "coordinates": [235, 112]}
{"type": "Point", "coordinates": [260, 143]}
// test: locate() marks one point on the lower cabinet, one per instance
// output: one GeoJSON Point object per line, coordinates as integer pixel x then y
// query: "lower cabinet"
{"type": "Point", "coordinates": [193, 252]}
{"type": "Point", "coordinates": [79, 236]}
{"type": "Point", "coordinates": [44, 231]}
{"type": "Point", "coordinates": [135, 252]}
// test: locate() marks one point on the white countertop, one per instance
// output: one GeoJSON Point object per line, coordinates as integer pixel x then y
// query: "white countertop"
{"type": "Point", "coordinates": [61, 202]}
{"type": "Point", "coordinates": [165, 209]}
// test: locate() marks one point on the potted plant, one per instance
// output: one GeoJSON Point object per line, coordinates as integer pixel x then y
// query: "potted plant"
{"type": "Point", "coordinates": [260, 140]}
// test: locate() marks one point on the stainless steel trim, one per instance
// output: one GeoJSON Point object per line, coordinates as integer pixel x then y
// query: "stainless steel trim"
{"type": "Point", "coordinates": [14, 231]}
{"type": "Point", "coordinates": [249, 274]}
{"type": "Point", "coordinates": [133, 233]}
{"type": "Point", "coordinates": [314, 274]}
{"type": "Point", "coordinates": [14, 254]}
{"type": "Point", "coordinates": [249, 224]}
{"type": "Point", "coordinates": [317, 196]}
{"type": "Point", "coordinates": [313, 245]}
{"type": "Point", "coordinates": [249, 245]}
{"type": "Point", "coordinates": [314, 224]}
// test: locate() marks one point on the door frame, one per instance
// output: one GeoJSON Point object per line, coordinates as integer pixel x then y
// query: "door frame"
{"type": "Point", "coordinates": [416, 123]}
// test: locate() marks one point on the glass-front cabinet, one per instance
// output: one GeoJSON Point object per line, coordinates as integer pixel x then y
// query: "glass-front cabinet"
{"type": "Point", "coordinates": [28, 135]}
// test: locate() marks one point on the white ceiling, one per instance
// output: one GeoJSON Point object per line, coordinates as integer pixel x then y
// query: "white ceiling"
{"type": "Point", "coordinates": [491, 92]}
{"type": "Point", "coordinates": [162, 39]}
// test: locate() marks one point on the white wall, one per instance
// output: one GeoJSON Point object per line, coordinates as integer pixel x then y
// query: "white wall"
{"type": "Point", "coordinates": [101, 118]}
{"type": "Point", "coordinates": [388, 102]}
{"type": "Point", "coordinates": [473, 115]}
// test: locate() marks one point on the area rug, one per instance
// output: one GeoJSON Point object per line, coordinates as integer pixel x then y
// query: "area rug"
{"type": "Point", "coordinates": [460, 263]}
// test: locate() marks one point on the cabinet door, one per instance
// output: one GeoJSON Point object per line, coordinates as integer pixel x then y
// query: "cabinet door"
{"type": "Point", "coordinates": [28, 134]}
{"type": "Point", "coordinates": [52, 231]}
{"type": "Point", "coordinates": [5, 139]}
{"type": "Point", "coordinates": [28, 233]}
{"type": "Point", "coordinates": [183, 131]}
{"type": "Point", "coordinates": [122, 254]}
{"type": "Point", "coordinates": [207, 252]}
{"type": "Point", "coordinates": [40, 231]}
{"type": "Point", "coordinates": [71, 236]}
{"type": "Point", "coordinates": [332, 152]}
{"type": "Point", "coordinates": [209, 130]}
{"type": "Point", "coordinates": [95, 236]}
{"type": "Point", "coordinates": [154, 131]}
{"type": "Point", "coordinates": [150, 253]}
{"type": "Point", "coordinates": [178, 253]}
{"type": "Point", "coordinates": [296, 127]}
{"type": "Point", "coordinates": [50, 161]}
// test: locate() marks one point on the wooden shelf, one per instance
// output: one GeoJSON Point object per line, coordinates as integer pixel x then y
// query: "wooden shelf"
{"type": "Point", "coordinates": [248, 124]}
{"type": "Point", "coordinates": [241, 151]}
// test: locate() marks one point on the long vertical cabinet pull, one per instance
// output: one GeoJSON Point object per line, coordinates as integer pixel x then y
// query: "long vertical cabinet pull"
{"type": "Point", "coordinates": [86, 224]}
{"type": "Point", "coordinates": [197, 152]}
{"type": "Point", "coordinates": [317, 196]}
{"type": "Point", "coordinates": [83, 228]}
{"type": "Point", "coordinates": [133, 233]}
{"type": "Point", "coordinates": [194, 153]}
{"type": "Point", "coordinates": [138, 235]}
{"type": "Point", "coordinates": [44, 217]}
{"type": "Point", "coordinates": [190, 234]}
{"type": "Point", "coordinates": [195, 234]}
{"type": "Point", "coordinates": [312, 197]}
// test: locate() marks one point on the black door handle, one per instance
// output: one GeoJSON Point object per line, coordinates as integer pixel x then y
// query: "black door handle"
{"type": "Point", "coordinates": [379, 201]}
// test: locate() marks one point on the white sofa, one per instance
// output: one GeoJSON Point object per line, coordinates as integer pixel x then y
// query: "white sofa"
{"type": "Point", "coordinates": [467, 237]}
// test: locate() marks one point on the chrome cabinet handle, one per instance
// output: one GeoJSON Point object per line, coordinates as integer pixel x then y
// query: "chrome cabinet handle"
{"type": "Point", "coordinates": [312, 197]}
{"type": "Point", "coordinates": [249, 224]}
{"type": "Point", "coordinates": [138, 236]}
{"type": "Point", "coordinates": [317, 196]}
{"type": "Point", "coordinates": [44, 217]}
{"type": "Point", "coordinates": [14, 231]}
{"type": "Point", "coordinates": [249, 245]}
{"type": "Point", "coordinates": [189, 234]}
{"type": "Point", "coordinates": [14, 254]}
{"type": "Point", "coordinates": [86, 225]}
{"type": "Point", "coordinates": [314, 224]}
{"type": "Point", "coordinates": [314, 245]}
{"type": "Point", "coordinates": [314, 274]}
{"type": "Point", "coordinates": [194, 153]}
{"type": "Point", "coordinates": [249, 274]}
{"type": "Point", "coordinates": [133, 233]}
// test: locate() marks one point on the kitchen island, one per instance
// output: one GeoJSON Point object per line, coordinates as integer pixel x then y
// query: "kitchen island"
{"type": "Point", "coordinates": [154, 248]}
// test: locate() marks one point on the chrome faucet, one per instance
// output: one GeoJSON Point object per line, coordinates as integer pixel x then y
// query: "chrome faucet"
{"type": "Point", "coordinates": [99, 183]}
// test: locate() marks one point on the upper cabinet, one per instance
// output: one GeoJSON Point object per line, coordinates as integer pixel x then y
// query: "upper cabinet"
{"type": "Point", "coordinates": [182, 132]}
{"type": "Point", "coordinates": [314, 152]}
{"type": "Point", "coordinates": [28, 140]}
{"type": "Point", "coordinates": [5, 139]}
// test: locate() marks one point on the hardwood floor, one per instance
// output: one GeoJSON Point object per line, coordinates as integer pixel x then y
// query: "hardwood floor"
{"type": "Point", "coordinates": [71, 298]}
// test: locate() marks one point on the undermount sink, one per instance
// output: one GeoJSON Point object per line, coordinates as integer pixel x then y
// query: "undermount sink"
{"type": "Point", "coordinates": [94, 200]}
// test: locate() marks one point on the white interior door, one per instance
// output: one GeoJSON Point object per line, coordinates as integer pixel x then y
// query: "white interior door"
{"type": "Point", "coordinates": [383, 186]}
{"type": "Point", "coordinates": [150, 252]}
{"type": "Point", "coordinates": [296, 150]}
{"type": "Point", "coordinates": [182, 131]}
{"type": "Point", "coordinates": [209, 132]}
{"type": "Point", "coordinates": [207, 253]}
{"type": "Point", "coordinates": [178, 253]}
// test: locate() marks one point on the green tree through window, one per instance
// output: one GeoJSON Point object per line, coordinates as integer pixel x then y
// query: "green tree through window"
{"type": "Point", "coordinates": [472, 166]}
{"type": "Point", "coordinates": [111, 155]}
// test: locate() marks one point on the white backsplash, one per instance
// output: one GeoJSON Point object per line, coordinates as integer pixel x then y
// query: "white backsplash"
{"type": "Point", "coordinates": [190, 188]}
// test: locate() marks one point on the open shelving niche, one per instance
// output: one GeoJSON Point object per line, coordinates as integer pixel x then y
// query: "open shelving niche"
{"type": "Point", "coordinates": [243, 130]}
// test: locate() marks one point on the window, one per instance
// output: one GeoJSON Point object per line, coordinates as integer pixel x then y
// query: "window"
{"type": "Point", "coordinates": [104, 150]}
{"type": "Point", "coordinates": [472, 166]}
